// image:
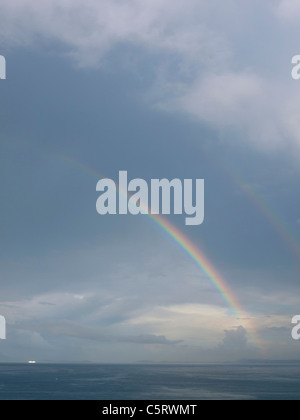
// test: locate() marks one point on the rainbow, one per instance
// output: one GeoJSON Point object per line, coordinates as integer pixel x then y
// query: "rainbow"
{"type": "Point", "coordinates": [187, 245]}
{"type": "Point", "coordinates": [212, 274]}
{"type": "Point", "coordinates": [202, 262]}
{"type": "Point", "coordinates": [193, 251]}
{"type": "Point", "coordinates": [270, 213]}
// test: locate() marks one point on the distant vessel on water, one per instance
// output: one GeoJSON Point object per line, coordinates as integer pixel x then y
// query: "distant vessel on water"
{"type": "Point", "coordinates": [31, 362]}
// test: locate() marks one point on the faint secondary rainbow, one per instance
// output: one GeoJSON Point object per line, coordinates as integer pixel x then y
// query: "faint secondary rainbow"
{"type": "Point", "coordinates": [270, 213]}
{"type": "Point", "coordinates": [274, 219]}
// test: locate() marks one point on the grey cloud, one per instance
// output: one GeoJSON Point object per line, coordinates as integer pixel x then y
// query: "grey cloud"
{"type": "Point", "coordinates": [91, 28]}
{"type": "Point", "coordinates": [47, 303]}
{"type": "Point", "coordinates": [277, 329]}
{"type": "Point", "coordinates": [235, 346]}
{"type": "Point", "coordinates": [282, 333]}
{"type": "Point", "coordinates": [199, 70]}
{"type": "Point", "coordinates": [68, 328]}
{"type": "Point", "coordinates": [234, 339]}
{"type": "Point", "coordinates": [288, 10]}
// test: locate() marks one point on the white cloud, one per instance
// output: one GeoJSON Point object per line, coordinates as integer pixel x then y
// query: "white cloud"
{"type": "Point", "coordinates": [243, 104]}
{"type": "Point", "coordinates": [208, 59]}
{"type": "Point", "coordinates": [200, 71]}
{"type": "Point", "coordinates": [234, 340]}
{"type": "Point", "coordinates": [289, 9]}
{"type": "Point", "coordinates": [90, 28]}
{"type": "Point", "coordinates": [194, 323]}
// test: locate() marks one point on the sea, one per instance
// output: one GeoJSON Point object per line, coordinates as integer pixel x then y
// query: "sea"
{"type": "Point", "coordinates": [271, 381]}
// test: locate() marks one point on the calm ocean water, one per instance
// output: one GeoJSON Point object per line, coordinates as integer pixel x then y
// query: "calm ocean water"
{"type": "Point", "coordinates": [149, 382]}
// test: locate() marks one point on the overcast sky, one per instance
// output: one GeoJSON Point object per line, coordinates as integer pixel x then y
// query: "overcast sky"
{"type": "Point", "coordinates": [160, 88]}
